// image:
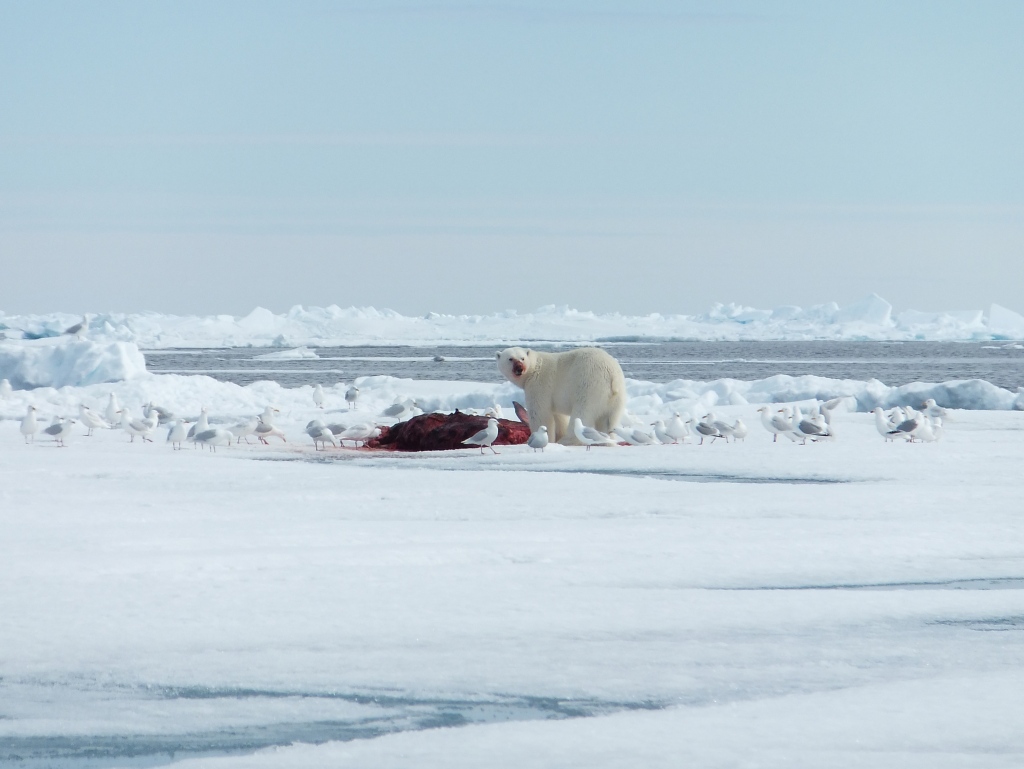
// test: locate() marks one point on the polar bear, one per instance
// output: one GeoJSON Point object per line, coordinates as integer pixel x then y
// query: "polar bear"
{"type": "Point", "coordinates": [560, 386]}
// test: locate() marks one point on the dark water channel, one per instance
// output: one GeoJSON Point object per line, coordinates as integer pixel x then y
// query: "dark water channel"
{"type": "Point", "coordinates": [894, 363]}
{"type": "Point", "coordinates": [382, 714]}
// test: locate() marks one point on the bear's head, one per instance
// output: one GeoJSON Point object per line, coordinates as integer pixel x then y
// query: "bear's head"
{"type": "Point", "coordinates": [513, 363]}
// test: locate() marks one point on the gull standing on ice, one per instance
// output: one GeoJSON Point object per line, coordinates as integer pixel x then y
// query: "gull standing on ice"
{"type": "Point", "coordinates": [351, 396]}
{"type": "Point", "coordinates": [320, 433]}
{"type": "Point", "coordinates": [776, 424]}
{"type": "Point", "coordinates": [809, 427]}
{"type": "Point", "coordinates": [924, 431]}
{"type": "Point", "coordinates": [318, 396]}
{"type": "Point", "coordinates": [176, 434]}
{"type": "Point", "coordinates": [202, 425]}
{"type": "Point", "coordinates": [882, 424]}
{"type": "Point", "coordinates": [907, 428]}
{"type": "Point", "coordinates": [140, 427]}
{"type": "Point", "coordinates": [214, 438]}
{"type": "Point", "coordinates": [113, 412]}
{"type": "Point", "coordinates": [91, 420]}
{"type": "Point", "coordinates": [739, 431]}
{"type": "Point", "coordinates": [660, 433]}
{"type": "Point", "coordinates": [677, 429]}
{"type": "Point", "coordinates": [724, 428]}
{"type": "Point", "coordinates": [360, 433]}
{"type": "Point", "coordinates": [29, 425]}
{"type": "Point", "coordinates": [163, 416]}
{"type": "Point", "coordinates": [264, 431]}
{"type": "Point", "coordinates": [538, 439]}
{"type": "Point", "coordinates": [589, 436]}
{"type": "Point", "coordinates": [706, 430]}
{"type": "Point", "coordinates": [60, 429]}
{"type": "Point", "coordinates": [485, 437]}
{"type": "Point", "coordinates": [245, 429]}
{"type": "Point", "coordinates": [624, 435]}
{"type": "Point", "coordinates": [641, 438]}
{"type": "Point", "coordinates": [5, 388]}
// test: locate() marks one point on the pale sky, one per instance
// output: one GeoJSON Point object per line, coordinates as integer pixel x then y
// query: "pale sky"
{"type": "Point", "coordinates": [209, 157]}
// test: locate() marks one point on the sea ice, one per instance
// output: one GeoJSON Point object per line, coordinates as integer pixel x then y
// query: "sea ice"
{"type": "Point", "coordinates": [868, 319]}
{"type": "Point", "coordinates": [854, 604]}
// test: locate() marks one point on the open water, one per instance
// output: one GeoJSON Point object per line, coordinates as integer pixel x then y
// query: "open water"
{"type": "Point", "coordinates": [894, 363]}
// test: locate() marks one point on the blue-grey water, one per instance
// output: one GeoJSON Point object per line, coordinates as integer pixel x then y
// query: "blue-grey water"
{"type": "Point", "coordinates": [894, 363]}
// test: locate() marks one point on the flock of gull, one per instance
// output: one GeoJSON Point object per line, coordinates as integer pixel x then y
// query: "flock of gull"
{"type": "Point", "coordinates": [900, 423]}
{"type": "Point", "coordinates": [792, 422]}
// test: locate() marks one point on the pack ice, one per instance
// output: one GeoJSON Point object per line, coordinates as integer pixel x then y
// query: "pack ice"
{"type": "Point", "coordinates": [872, 318]}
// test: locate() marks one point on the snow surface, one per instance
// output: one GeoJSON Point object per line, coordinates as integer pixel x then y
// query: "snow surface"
{"type": "Point", "coordinates": [871, 318]}
{"type": "Point", "coordinates": [847, 604]}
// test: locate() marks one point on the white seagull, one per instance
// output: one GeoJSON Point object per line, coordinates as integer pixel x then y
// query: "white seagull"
{"type": "Point", "coordinates": [29, 425]}
{"type": "Point", "coordinates": [245, 429]}
{"type": "Point", "coordinates": [724, 428]}
{"type": "Point", "coordinates": [202, 425]}
{"type": "Point", "coordinates": [113, 412]}
{"type": "Point", "coordinates": [215, 437]}
{"type": "Point", "coordinates": [5, 388]}
{"type": "Point", "coordinates": [773, 423]}
{"type": "Point", "coordinates": [351, 396]}
{"type": "Point", "coordinates": [588, 436]}
{"type": "Point", "coordinates": [360, 433]}
{"type": "Point", "coordinates": [707, 430]}
{"type": "Point", "coordinates": [538, 439]}
{"type": "Point", "coordinates": [677, 429]}
{"type": "Point", "coordinates": [739, 431]}
{"type": "Point", "coordinates": [908, 428]}
{"type": "Point", "coordinates": [318, 396]}
{"type": "Point", "coordinates": [320, 433]}
{"type": "Point", "coordinates": [140, 427]}
{"type": "Point", "coordinates": [641, 438]}
{"type": "Point", "coordinates": [176, 434]}
{"type": "Point", "coordinates": [882, 424]}
{"type": "Point", "coordinates": [661, 433]}
{"type": "Point", "coordinates": [265, 430]}
{"type": "Point", "coordinates": [91, 420]}
{"type": "Point", "coordinates": [485, 437]}
{"type": "Point", "coordinates": [933, 409]}
{"type": "Point", "coordinates": [163, 416]}
{"type": "Point", "coordinates": [60, 429]}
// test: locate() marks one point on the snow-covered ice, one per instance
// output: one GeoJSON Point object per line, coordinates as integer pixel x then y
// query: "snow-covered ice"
{"type": "Point", "coordinates": [64, 361]}
{"type": "Point", "coordinates": [856, 603]}
{"type": "Point", "coordinates": [227, 401]}
{"type": "Point", "coordinates": [299, 353]}
{"type": "Point", "coordinates": [871, 318]}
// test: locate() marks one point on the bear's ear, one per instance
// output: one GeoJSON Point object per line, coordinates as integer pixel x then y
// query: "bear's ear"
{"type": "Point", "coordinates": [497, 355]}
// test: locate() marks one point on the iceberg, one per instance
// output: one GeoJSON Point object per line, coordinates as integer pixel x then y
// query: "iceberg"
{"type": "Point", "coordinates": [1004, 323]}
{"type": "Point", "coordinates": [871, 310]}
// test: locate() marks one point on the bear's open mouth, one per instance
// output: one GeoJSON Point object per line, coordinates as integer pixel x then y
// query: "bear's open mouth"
{"type": "Point", "coordinates": [518, 368]}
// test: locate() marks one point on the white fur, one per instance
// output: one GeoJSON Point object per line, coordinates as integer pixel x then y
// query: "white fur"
{"type": "Point", "coordinates": [560, 386]}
